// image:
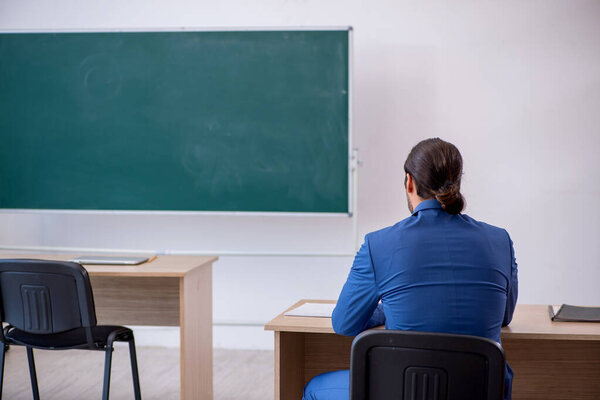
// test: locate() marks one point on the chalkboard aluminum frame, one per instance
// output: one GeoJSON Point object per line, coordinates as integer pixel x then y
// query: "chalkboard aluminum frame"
{"type": "Point", "coordinates": [352, 152]}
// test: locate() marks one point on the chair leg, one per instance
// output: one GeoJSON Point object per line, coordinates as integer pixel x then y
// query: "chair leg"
{"type": "Point", "coordinates": [107, 364]}
{"type": "Point", "coordinates": [134, 370]}
{"type": "Point", "coordinates": [2, 353]}
{"type": "Point", "coordinates": [32, 374]}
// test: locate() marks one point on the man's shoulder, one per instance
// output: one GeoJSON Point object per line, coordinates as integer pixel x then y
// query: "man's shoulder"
{"type": "Point", "coordinates": [485, 227]}
{"type": "Point", "coordinates": [390, 230]}
{"type": "Point", "coordinates": [407, 223]}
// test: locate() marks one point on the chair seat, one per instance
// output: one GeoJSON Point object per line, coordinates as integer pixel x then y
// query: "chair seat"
{"type": "Point", "coordinates": [73, 339]}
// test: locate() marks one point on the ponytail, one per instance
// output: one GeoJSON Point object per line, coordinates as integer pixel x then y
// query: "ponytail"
{"type": "Point", "coordinates": [451, 199]}
{"type": "Point", "coordinates": [436, 169]}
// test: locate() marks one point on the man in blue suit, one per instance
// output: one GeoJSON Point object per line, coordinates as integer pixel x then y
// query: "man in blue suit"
{"type": "Point", "coordinates": [436, 271]}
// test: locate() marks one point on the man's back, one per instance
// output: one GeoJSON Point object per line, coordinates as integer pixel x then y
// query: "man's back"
{"type": "Point", "coordinates": [434, 272]}
{"type": "Point", "coordinates": [440, 272]}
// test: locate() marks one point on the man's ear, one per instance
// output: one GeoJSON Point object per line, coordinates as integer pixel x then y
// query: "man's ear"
{"type": "Point", "coordinates": [410, 184]}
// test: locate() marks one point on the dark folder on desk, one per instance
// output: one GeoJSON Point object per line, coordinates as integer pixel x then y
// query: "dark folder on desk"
{"type": "Point", "coordinates": [567, 313]}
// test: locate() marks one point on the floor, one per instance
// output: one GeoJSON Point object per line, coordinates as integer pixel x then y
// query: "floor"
{"type": "Point", "coordinates": [76, 374]}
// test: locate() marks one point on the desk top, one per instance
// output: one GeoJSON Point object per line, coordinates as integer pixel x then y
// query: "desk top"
{"type": "Point", "coordinates": [162, 266]}
{"type": "Point", "coordinates": [529, 322]}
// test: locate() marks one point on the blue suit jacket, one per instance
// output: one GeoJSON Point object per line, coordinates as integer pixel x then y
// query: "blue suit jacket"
{"type": "Point", "coordinates": [433, 272]}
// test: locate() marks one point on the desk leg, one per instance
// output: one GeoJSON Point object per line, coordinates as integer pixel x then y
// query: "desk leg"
{"type": "Point", "coordinates": [301, 356]}
{"type": "Point", "coordinates": [325, 352]}
{"type": "Point", "coordinates": [196, 334]}
{"type": "Point", "coordinates": [289, 365]}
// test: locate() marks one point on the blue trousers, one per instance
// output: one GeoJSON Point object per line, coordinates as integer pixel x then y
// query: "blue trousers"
{"type": "Point", "coordinates": [336, 386]}
{"type": "Point", "coordinates": [333, 385]}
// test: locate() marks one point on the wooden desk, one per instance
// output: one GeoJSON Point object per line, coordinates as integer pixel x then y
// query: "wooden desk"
{"type": "Point", "coordinates": [168, 291]}
{"type": "Point", "coordinates": [551, 360]}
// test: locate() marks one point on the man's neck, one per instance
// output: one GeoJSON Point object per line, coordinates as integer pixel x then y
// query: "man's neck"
{"type": "Point", "coordinates": [414, 201]}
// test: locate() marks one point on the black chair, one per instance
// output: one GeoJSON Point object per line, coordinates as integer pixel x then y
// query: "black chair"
{"type": "Point", "coordinates": [404, 365]}
{"type": "Point", "coordinates": [49, 305]}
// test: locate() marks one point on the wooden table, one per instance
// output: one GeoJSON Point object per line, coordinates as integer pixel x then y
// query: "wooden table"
{"type": "Point", "coordinates": [168, 291]}
{"type": "Point", "coordinates": [551, 360]}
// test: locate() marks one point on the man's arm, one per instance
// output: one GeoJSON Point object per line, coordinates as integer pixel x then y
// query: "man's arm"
{"type": "Point", "coordinates": [513, 287]}
{"type": "Point", "coordinates": [357, 307]}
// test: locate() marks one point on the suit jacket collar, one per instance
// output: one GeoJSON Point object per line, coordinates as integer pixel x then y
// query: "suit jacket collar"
{"type": "Point", "coordinates": [427, 204]}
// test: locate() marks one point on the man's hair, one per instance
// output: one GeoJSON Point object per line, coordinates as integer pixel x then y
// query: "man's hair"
{"type": "Point", "coordinates": [436, 169]}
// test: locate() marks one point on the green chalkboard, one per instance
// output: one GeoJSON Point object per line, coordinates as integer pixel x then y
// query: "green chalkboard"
{"type": "Point", "coordinates": [200, 121]}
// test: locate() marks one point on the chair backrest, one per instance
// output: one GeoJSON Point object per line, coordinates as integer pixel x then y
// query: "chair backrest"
{"type": "Point", "coordinates": [45, 297]}
{"type": "Point", "coordinates": [405, 365]}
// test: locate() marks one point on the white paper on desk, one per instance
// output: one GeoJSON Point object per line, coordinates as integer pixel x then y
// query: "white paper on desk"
{"type": "Point", "coordinates": [323, 310]}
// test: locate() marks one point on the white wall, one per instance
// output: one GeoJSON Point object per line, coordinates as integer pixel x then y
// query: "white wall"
{"type": "Point", "coordinates": [514, 84]}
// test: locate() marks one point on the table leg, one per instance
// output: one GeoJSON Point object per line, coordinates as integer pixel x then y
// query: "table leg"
{"type": "Point", "coordinates": [196, 334]}
{"type": "Point", "coordinates": [289, 365]}
{"type": "Point", "coordinates": [301, 356]}
{"type": "Point", "coordinates": [325, 352]}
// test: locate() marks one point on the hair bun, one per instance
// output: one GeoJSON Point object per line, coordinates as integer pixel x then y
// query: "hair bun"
{"type": "Point", "coordinates": [450, 197]}
{"type": "Point", "coordinates": [431, 162]}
